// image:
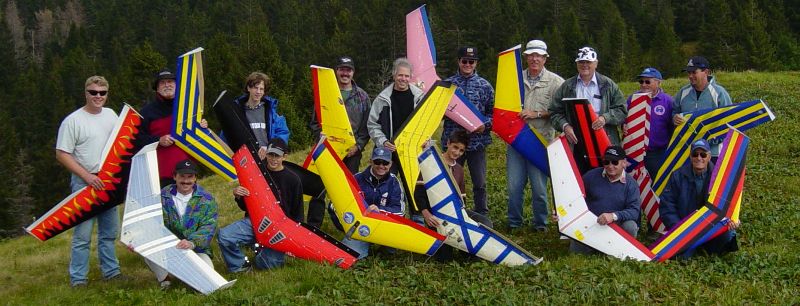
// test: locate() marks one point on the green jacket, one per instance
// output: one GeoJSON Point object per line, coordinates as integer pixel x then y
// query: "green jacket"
{"type": "Point", "coordinates": [612, 107]}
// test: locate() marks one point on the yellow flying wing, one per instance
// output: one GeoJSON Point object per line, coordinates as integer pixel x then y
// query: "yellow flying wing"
{"type": "Point", "coordinates": [331, 113]}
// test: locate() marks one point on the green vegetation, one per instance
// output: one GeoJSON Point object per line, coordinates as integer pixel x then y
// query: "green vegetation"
{"type": "Point", "coordinates": [763, 272]}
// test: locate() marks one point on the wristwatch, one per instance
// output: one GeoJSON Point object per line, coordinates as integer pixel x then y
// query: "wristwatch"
{"type": "Point", "coordinates": [538, 114]}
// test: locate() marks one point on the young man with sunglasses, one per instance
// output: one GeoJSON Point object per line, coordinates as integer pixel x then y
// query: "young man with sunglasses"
{"type": "Point", "coordinates": [79, 148]}
{"type": "Point", "coordinates": [480, 93]}
{"type": "Point", "coordinates": [686, 191]}
{"type": "Point", "coordinates": [612, 195]}
{"type": "Point", "coordinates": [661, 126]}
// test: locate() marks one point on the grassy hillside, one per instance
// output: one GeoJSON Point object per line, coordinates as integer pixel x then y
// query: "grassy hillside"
{"type": "Point", "coordinates": [764, 271]}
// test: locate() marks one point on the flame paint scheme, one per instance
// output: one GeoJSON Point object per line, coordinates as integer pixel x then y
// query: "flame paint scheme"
{"type": "Point", "coordinates": [351, 210]}
{"type": "Point", "coordinates": [143, 228]}
{"type": "Point", "coordinates": [461, 231]}
{"type": "Point", "coordinates": [201, 143]}
{"type": "Point", "coordinates": [593, 142]}
{"type": "Point", "coordinates": [507, 107]}
{"type": "Point", "coordinates": [421, 53]}
{"type": "Point", "coordinates": [86, 203]}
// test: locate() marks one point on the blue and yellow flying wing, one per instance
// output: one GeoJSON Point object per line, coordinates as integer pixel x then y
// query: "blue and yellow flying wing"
{"type": "Point", "coordinates": [201, 143]}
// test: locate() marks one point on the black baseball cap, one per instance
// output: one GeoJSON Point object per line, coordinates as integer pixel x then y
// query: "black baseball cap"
{"type": "Point", "coordinates": [614, 153]}
{"type": "Point", "coordinates": [345, 61]}
{"type": "Point", "coordinates": [277, 146]}
{"type": "Point", "coordinates": [697, 62]}
{"type": "Point", "coordinates": [468, 53]}
{"type": "Point", "coordinates": [164, 74]}
{"type": "Point", "coordinates": [186, 166]}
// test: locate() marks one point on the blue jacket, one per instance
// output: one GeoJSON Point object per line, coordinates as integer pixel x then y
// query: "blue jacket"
{"type": "Point", "coordinates": [712, 97]}
{"type": "Point", "coordinates": [386, 193]}
{"type": "Point", "coordinates": [679, 198]}
{"type": "Point", "coordinates": [198, 224]}
{"type": "Point", "coordinates": [277, 123]}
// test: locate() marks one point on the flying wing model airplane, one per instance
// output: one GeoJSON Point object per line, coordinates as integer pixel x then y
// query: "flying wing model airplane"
{"type": "Point", "coordinates": [592, 142]}
{"type": "Point", "coordinates": [708, 124]}
{"type": "Point", "coordinates": [88, 202]}
{"type": "Point", "coordinates": [461, 231]}
{"type": "Point", "coordinates": [351, 210]}
{"type": "Point", "coordinates": [143, 228]}
{"type": "Point", "coordinates": [723, 205]}
{"type": "Point", "coordinates": [508, 101]}
{"type": "Point", "coordinates": [635, 142]}
{"type": "Point", "coordinates": [421, 53]}
{"type": "Point", "coordinates": [331, 114]}
{"type": "Point", "coordinates": [418, 129]}
{"type": "Point", "coordinates": [270, 225]}
{"type": "Point", "coordinates": [201, 143]}
{"type": "Point", "coordinates": [574, 218]}
{"type": "Point", "coordinates": [274, 229]}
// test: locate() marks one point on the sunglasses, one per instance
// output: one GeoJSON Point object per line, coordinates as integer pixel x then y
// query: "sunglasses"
{"type": "Point", "coordinates": [380, 162]}
{"type": "Point", "coordinates": [613, 162]}
{"type": "Point", "coordinates": [644, 82]}
{"type": "Point", "coordinates": [701, 154]}
{"type": "Point", "coordinates": [101, 93]}
{"type": "Point", "coordinates": [466, 61]}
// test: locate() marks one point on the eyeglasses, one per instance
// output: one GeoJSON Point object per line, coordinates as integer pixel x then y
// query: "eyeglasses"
{"type": "Point", "coordinates": [101, 93]}
{"type": "Point", "coordinates": [613, 162]}
{"type": "Point", "coordinates": [468, 62]}
{"type": "Point", "coordinates": [381, 162]}
{"type": "Point", "coordinates": [644, 82]}
{"type": "Point", "coordinates": [701, 154]}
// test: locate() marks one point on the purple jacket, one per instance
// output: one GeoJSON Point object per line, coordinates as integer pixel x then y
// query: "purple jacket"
{"type": "Point", "coordinates": [660, 120]}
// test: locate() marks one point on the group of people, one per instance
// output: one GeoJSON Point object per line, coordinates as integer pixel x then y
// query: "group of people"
{"type": "Point", "coordinates": [190, 212]}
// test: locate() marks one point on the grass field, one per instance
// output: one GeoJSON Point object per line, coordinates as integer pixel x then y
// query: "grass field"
{"type": "Point", "coordinates": [766, 270]}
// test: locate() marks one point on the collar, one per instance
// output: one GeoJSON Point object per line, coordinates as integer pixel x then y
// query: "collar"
{"type": "Point", "coordinates": [620, 179]}
{"type": "Point", "coordinates": [375, 178]}
{"type": "Point", "coordinates": [259, 105]}
{"type": "Point", "coordinates": [174, 190]}
{"type": "Point", "coordinates": [594, 80]}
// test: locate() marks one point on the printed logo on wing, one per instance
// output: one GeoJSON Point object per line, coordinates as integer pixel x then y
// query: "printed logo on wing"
{"type": "Point", "coordinates": [348, 217]}
{"type": "Point", "coordinates": [363, 231]}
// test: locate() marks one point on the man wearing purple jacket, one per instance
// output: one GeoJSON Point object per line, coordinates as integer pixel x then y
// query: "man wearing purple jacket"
{"type": "Point", "coordinates": [661, 126]}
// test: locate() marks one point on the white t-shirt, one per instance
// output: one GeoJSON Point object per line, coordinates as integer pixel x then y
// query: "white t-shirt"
{"type": "Point", "coordinates": [181, 201]}
{"type": "Point", "coordinates": [84, 135]}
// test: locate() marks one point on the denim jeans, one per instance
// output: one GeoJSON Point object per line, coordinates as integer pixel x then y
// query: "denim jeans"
{"type": "Point", "coordinates": [518, 173]}
{"type": "Point", "coordinates": [630, 226]}
{"type": "Point", "coordinates": [240, 233]}
{"type": "Point", "coordinates": [107, 227]}
{"type": "Point", "coordinates": [476, 162]}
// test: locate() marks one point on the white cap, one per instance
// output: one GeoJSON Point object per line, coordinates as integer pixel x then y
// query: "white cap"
{"type": "Point", "coordinates": [536, 46]}
{"type": "Point", "coordinates": [586, 54]}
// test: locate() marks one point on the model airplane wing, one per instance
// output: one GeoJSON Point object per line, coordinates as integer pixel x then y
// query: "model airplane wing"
{"type": "Point", "coordinates": [461, 231]}
{"type": "Point", "coordinates": [418, 129]}
{"type": "Point", "coordinates": [274, 229]}
{"type": "Point", "coordinates": [708, 124]}
{"type": "Point", "coordinates": [507, 106]}
{"type": "Point", "coordinates": [593, 142]}
{"type": "Point", "coordinates": [574, 218]}
{"type": "Point", "coordinates": [201, 143]}
{"type": "Point", "coordinates": [88, 202]}
{"type": "Point", "coordinates": [374, 227]}
{"type": "Point", "coordinates": [331, 113]}
{"type": "Point", "coordinates": [724, 202]}
{"type": "Point", "coordinates": [143, 228]}
{"type": "Point", "coordinates": [421, 52]}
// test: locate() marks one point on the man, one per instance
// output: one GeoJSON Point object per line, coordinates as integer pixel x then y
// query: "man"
{"type": "Point", "coordinates": [288, 192]}
{"type": "Point", "coordinates": [190, 213]}
{"type": "Point", "coordinates": [612, 195]}
{"type": "Point", "coordinates": [480, 93]}
{"type": "Point", "coordinates": [357, 104]}
{"type": "Point", "coordinates": [157, 125]}
{"type": "Point", "coordinates": [261, 112]}
{"type": "Point", "coordinates": [540, 86]}
{"type": "Point", "coordinates": [381, 190]}
{"type": "Point", "coordinates": [686, 191]}
{"type": "Point", "coordinates": [79, 148]}
{"type": "Point", "coordinates": [702, 92]}
{"type": "Point", "coordinates": [660, 118]}
{"type": "Point", "coordinates": [392, 107]}
{"type": "Point", "coordinates": [603, 94]}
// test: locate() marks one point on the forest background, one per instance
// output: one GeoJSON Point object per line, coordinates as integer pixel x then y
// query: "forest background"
{"type": "Point", "coordinates": [48, 48]}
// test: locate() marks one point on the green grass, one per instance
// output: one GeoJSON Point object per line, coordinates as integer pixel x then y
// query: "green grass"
{"type": "Point", "coordinates": [764, 271]}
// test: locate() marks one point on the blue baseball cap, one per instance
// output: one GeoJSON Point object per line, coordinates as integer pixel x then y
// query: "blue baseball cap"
{"type": "Point", "coordinates": [650, 72]}
{"type": "Point", "coordinates": [701, 144]}
{"type": "Point", "coordinates": [382, 154]}
{"type": "Point", "coordinates": [697, 62]}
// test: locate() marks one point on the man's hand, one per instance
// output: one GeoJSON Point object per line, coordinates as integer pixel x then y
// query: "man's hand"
{"type": "Point", "coordinates": [165, 141]}
{"type": "Point", "coordinates": [352, 151]}
{"type": "Point", "coordinates": [733, 225]}
{"type": "Point", "coordinates": [203, 123]}
{"type": "Point", "coordinates": [430, 220]}
{"type": "Point", "coordinates": [571, 138]}
{"type": "Point", "coordinates": [599, 123]}
{"type": "Point", "coordinates": [185, 245]}
{"type": "Point", "coordinates": [373, 208]}
{"type": "Point", "coordinates": [94, 181]}
{"type": "Point", "coordinates": [240, 191]}
{"type": "Point", "coordinates": [527, 114]}
{"type": "Point", "coordinates": [605, 218]}
{"type": "Point", "coordinates": [262, 153]}
{"type": "Point", "coordinates": [130, 248]}
{"type": "Point", "coordinates": [677, 119]}
{"type": "Point", "coordinates": [389, 146]}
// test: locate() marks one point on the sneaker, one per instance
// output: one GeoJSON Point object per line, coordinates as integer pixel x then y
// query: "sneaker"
{"type": "Point", "coordinates": [542, 229]}
{"type": "Point", "coordinates": [165, 285]}
{"type": "Point", "coordinates": [118, 278]}
{"type": "Point", "coordinates": [79, 284]}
